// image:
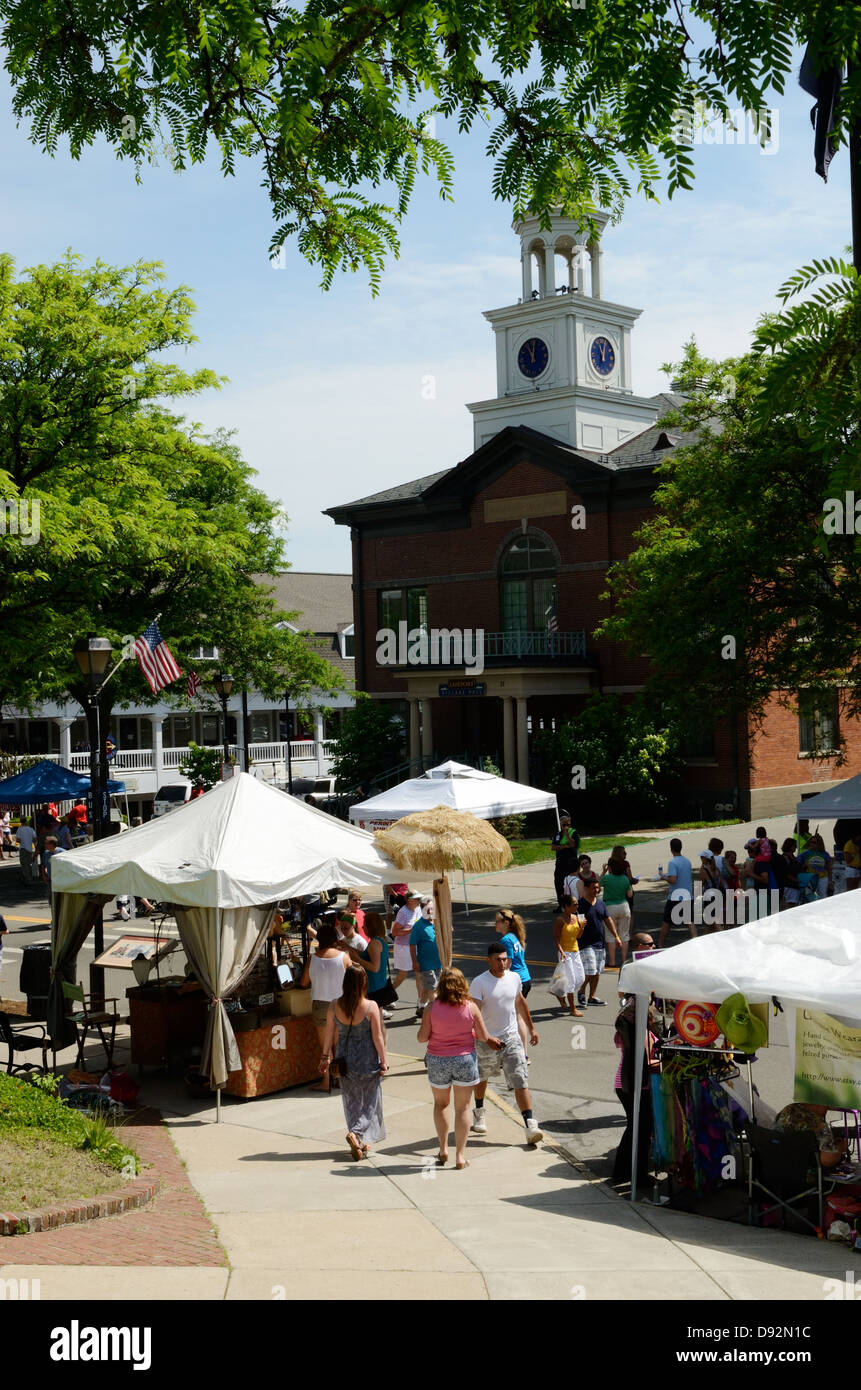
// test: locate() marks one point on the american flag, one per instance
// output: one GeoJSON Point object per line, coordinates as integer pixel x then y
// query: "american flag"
{"type": "Point", "coordinates": [155, 660]}
{"type": "Point", "coordinates": [192, 684]}
{"type": "Point", "coordinates": [550, 615]}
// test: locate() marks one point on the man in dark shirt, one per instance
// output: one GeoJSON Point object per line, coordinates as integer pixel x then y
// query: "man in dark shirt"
{"type": "Point", "coordinates": [566, 847]}
{"type": "Point", "coordinates": [591, 943]}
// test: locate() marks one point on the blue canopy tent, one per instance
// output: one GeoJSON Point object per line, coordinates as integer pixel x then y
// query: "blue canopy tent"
{"type": "Point", "coordinates": [47, 781]}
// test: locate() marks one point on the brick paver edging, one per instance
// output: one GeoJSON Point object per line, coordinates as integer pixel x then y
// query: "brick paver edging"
{"type": "Point", "coordinates": [135, 1194]}
{"type": "Point", "coordinates": [170, 1227]}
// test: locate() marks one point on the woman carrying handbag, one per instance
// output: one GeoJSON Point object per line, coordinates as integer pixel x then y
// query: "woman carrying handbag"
{"type": "Point", "coordinates": [359, 1059]}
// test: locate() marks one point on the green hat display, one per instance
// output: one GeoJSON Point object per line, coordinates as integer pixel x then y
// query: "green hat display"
{"type": "Point", "coordinates": [739, 1026]}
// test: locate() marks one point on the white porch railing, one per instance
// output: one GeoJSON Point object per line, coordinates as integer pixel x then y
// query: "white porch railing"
{"type": "Point", "coordinates": [143, 759]}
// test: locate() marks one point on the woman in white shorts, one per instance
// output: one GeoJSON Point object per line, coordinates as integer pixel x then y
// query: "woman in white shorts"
{"type": "Point", "coordinates": [618, 895]}
{"type": "Point", "coordinates": [401, 927]}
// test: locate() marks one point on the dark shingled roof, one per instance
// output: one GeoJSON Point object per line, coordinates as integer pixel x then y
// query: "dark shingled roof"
{"type": "Point", "coordinates": [323, 604]}
{"type": "Point", "coordinates": [404, 492]}
{"type": "Point", "coordinates": [655, 443]}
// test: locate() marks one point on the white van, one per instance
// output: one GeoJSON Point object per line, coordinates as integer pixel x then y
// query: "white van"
{"type": "Point", "coordinates": [169, 797]}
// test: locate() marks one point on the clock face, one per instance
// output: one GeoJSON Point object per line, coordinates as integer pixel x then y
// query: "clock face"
{"type": "Point", "coordinates": [533, 357]}
{"type": "Point", "coordinates": [602, 356]}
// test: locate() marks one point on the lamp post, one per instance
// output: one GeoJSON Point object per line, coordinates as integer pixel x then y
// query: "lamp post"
{"type": "Point", "coordinates": [223, 687]}
{"type": "Point", "coordinates": [287, 758]}
{"type": "Point", "coordinates": [93, 655]}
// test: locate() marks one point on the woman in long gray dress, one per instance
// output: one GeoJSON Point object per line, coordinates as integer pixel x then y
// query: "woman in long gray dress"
{"type": "Point", "coordinates": [361, 1043]}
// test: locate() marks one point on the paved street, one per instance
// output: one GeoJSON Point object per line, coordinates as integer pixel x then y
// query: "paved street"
{"type": "Point", "coordinates": [289, 1208]}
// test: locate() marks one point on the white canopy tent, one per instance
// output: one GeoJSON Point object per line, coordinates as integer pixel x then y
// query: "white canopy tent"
{"type": "Point", "coordinates": [459, 786]}
{"type": "Point", "coordinates": [456, 785]}
{"type": "Point", "coordinates": [808, 957]}
{"type": "Point", "coordinates": [224, 859]}
{"type": "Point", "coordinates": [842, 802]}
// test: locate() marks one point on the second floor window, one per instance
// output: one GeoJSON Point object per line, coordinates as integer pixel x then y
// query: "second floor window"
{"type": "Point", "coordinates": [527, 575]}
{"type": "Point", "coordinates": [408, 606]}
{"type": "Point", "coordinates": [817, 724]}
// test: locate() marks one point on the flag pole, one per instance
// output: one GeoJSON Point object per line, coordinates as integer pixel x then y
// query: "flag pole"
{"type": "Point", "coordinates": [855, 179]}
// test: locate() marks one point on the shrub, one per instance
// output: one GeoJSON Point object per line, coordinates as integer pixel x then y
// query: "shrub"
{"type": "Point", "coordinates": [31, 1107]}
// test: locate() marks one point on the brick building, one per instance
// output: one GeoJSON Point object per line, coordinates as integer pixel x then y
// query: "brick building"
{"type": "Point", "coordinates": [514, 543]}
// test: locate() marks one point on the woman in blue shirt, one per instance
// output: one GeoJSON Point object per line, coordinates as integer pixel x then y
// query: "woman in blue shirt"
{"type": "Point", "coordinates": [513, 932]}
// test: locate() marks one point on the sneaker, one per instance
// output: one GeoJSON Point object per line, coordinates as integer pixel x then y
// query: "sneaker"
{"type": "Point", "coordinates": [388, 1014]}
{"type": "Point", "coordinates": [479, 1122]}
{"type": "Point", "coordinates": [581, 999]}
{"type": "Point", "coordinates": [597, 1003]}
{"type": "Point", "coordinates": [533, 1134]}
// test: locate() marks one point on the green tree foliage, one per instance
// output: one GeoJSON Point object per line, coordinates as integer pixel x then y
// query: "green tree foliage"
{"type": "Point", "coordinates": [141, 514]}
{"type": "Point", "coordinates": [202, 766]}
{"type": "Point", "coordinates": [631, 761]}
{"type": "Point", "coordinates": [511, 827]}
{"type": "Point", "coordinates": [368, 743]}
{"type": "Point", "coordinates": [336, 101]}
{"type": "Point", "coordinates": [754, 550]}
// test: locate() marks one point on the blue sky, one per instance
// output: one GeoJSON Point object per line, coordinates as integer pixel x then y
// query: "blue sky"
{"type": "Point", "coordinates": [326, 389]}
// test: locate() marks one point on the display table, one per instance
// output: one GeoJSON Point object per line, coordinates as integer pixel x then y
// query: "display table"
{"type": "Point", "coordinates": [282, 1052]}
{"type": "Point", "coordinates": [164, 1023]}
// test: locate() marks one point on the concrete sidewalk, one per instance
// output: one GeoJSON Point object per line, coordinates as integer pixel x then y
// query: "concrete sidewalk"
{"type": "Point", "coordinates": [294, 1211]}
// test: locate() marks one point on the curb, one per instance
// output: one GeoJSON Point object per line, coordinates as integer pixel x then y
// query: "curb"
{"type": "Point", "coordinates": [137, 1194]}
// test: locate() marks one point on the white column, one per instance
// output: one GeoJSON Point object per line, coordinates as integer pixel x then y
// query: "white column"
{"type": "Point", "coordinates": [414, 729]}
{"type": "Point", "coordinates": [526, 263]}
{"type": "Point", "coordinates": [509, 766]}
{"type": "Point", "coordinates": [549, 271]}
{"type": "Point", "coordinates": [319, 735]}
{"type": "Point", "coordinates": [65, 726]}
{"type": "Point", "coordinates": [581, 269]}
{"type": "Point", "coordinates": [595, 254]}
{"type": "Point", "coordinates": [157, 748]}
{"type": "Point", "coordinates": [522, 742]}
{"type": "Point", "coordinates": [427, 730]}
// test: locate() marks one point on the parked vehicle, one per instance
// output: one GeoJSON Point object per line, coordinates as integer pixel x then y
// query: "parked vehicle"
{"type": "Point", "coordinates": [324, 790]}
{"type": "Point", "coordinates": [168, 798]}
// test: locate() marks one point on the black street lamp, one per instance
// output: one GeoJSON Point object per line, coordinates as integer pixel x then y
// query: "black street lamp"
{"type": "Point", "coordinates": [93, 656]}
{"type": "Point", "coordinates": [287, 757]}
{"type": "Point", "coordinates": [223, 687]}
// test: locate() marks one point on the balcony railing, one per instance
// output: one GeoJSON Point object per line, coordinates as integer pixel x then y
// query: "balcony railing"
{"type": "Point", "coordinates": [143, 760]}
{"type": "Point", "coordinates": [541, 644]}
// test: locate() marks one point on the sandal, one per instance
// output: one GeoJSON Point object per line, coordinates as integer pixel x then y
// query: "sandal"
{"type": "Point", "coordinates": [355, 1147]}
{"type": "Point", "coordinates": [465, 1164]}
{"type": "Point", "coordinates": [441, 1159]}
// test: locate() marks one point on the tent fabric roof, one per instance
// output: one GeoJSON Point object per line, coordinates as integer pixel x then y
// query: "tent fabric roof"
{"type": "Point", "coordinates": [840, 802]}
{"type": "Point", "coordinates": [47, 781]}
{"type": "Point", "coordinates": [456, 785]}
{"type": "Point", "coordinates": [809, 957]}
{"type": "Point", "coordinates": [239, 845]}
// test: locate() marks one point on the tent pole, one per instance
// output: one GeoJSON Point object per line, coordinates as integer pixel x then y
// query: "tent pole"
{"type": "Point", "coordinates": [465, 898]}
{"type": "Point", "coordinates": [642, 1014]}
{"type": "Point", "coordinates": [216, 1020]}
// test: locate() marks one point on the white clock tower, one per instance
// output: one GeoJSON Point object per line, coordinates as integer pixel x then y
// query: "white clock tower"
{"type": "Point", "coordinates": [563, 354]}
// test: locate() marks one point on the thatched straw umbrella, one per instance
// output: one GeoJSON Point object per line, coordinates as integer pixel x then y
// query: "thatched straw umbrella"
{"type": "Point", "coordinates": [430, 842]}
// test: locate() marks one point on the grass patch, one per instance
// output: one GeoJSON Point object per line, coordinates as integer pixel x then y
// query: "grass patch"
{"type": "Point", "coordinates": [37, 1171]}
{"type": "Point", "coordinates": [534, 851]}
{"type": "Point", "coordinates": [30, 1111]}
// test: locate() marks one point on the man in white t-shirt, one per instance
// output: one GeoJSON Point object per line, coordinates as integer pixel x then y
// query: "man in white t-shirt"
{"type": "Point", "coordinates": [574, 882]}
{"type": "Point", "coordinates": [680, 877]}
{"type": "Point", "coordinates": [499, 995]}
{"type": "Point", "coordinates": [27, 852]}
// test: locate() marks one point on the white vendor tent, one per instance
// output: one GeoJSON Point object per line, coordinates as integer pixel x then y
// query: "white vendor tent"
{"type": "Point", "coordinates": [224, 859]}
{"type": "Point", "coordinates": [808, 957]}
{"type": "Point", "coordinates": [456, 785]}
{"type": "Point", "coordinates": [842, 802]}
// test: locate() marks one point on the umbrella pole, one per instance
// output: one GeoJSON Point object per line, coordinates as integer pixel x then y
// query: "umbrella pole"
{"type": "Point", "coordinates": [216, 1023]}
{"type": "Point", "coordinates": [465, 898]}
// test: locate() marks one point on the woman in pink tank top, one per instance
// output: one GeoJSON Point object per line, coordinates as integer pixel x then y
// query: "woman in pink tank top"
{"type": "Point", "coordinates": [450, 1025]}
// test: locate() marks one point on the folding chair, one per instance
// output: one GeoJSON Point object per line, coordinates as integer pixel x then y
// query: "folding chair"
{"type": "Point", "coordinates": [86, 1018]}
{"type": "Point", "coordinates": [23, 1042]}
{"type": "Point", "coordinates": [783, 1160]}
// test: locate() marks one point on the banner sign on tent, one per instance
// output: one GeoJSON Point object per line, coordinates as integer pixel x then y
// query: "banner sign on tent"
{"type": "Point", "coordinates": [827, 1061]}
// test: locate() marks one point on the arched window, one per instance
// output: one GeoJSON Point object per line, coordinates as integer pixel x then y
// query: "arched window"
{"type": "Point", "coordinates": [527, 574]}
